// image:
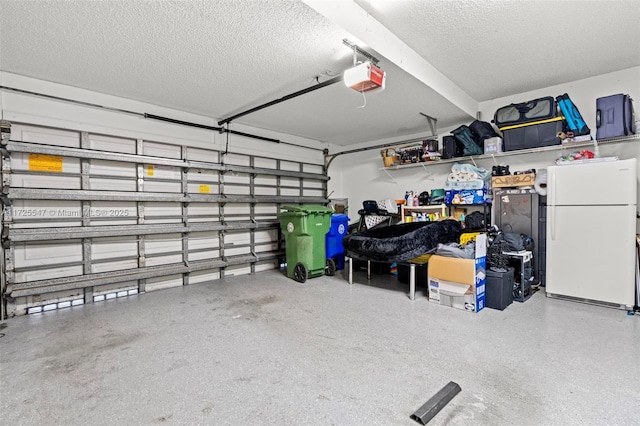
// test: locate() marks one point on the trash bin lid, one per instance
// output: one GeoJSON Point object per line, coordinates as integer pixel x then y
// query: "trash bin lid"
{"type": "Point", "coordinates": [339, 217]}
{"type": "Point", "coordinates": [308, 208]}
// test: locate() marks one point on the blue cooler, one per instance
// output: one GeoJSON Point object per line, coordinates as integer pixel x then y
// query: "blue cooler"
{"type": "Point", "coordinates": [335, 250]}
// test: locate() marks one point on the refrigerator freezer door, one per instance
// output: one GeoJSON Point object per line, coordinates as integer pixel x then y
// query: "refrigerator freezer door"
{"type": "Point", "coordinates": [605, 183]}
{"type": "Point", "coordinates": [591, 253]}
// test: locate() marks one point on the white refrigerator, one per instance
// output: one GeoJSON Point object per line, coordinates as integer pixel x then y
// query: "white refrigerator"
{"type": "Point", "coordinates": [591, 232]}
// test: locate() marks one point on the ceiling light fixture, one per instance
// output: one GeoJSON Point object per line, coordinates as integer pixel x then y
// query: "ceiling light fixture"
{"type": "Point", "coordinates": [364, 76]}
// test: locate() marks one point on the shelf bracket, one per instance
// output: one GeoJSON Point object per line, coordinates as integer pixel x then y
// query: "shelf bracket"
{"type": "Point", "coordinates": [596, 148]}
{"type": "Point", "coordinates": [433, 122]}
{"type": "Point", "coordinates": [429, 175]}
{"type": "Point", "coordinates": [389, 174]}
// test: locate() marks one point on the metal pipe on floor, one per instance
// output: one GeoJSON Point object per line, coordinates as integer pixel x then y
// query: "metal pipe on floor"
{"type": "Point", "coordinates": [436, 403]}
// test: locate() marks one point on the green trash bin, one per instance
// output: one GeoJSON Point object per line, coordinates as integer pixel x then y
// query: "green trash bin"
{"type": "Point", "coordinates": [304, 228]}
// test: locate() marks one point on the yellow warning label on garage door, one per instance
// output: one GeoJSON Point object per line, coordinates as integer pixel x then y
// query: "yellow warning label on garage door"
{"type": "Point", "coordinates": [205, 189]}
{"type": "Point", "coordinates": [149, 170]}
{"type": "Point", "coordinates": [45, 163]}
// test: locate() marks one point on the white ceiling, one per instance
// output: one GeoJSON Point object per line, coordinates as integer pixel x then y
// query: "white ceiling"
{"type": "Point", "coordinates": [217, 58]}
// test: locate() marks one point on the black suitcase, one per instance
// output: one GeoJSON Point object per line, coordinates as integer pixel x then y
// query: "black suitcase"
{"type": "Point", "coordinates": [451, 147]}
{"type": "Point", "coordinates": [614, 116]}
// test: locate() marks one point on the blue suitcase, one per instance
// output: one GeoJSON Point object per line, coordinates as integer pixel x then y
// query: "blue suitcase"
{"type": "Point", "coordinates": [614, 116]}
{"type": "Point", "coordinates": [572, 116]}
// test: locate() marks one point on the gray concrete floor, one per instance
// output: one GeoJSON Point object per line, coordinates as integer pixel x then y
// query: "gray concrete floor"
{"type": "Point", "coordinates": [264, 349]}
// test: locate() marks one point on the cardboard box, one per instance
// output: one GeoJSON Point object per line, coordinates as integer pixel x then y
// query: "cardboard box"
{"type": "Point", "coordinates": [465, 196]}
{"type": "Point", "coordinates": [493, 145]}
{"type": "Point", "coordinates": [526, 179]}
{"type": "Point", "coordinates": [459, 283]}
{"type": "Point", "coordinates": [459, 212]}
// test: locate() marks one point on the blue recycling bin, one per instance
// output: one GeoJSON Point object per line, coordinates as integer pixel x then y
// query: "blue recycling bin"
{"type": "Point", "coordinates": [337, 231]}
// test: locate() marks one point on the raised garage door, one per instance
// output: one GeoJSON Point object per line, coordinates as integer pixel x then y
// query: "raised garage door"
{"type": "Point", "coordinates": [90, 217]}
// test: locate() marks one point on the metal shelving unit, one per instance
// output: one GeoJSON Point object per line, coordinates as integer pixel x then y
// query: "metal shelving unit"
{"type": "Point", "coordinates": [569, 146]}
{"type": "Point", "coordinates": [172, 217]}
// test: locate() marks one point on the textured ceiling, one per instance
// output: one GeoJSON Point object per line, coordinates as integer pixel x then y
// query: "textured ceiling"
{"type": "Point", "coordinates": [217, 58]}
{"type": "Point", "coordinates": [493, 49]}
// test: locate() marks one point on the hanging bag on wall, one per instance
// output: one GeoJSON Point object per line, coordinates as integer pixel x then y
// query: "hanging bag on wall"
{"type": "Point", "coordinates": [464, 135]}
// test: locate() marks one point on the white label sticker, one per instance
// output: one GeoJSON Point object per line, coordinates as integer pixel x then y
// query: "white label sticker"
{"type": "Point", "coordinates": [341, 229]}
{"type": "Point", "coordinates": [290, 227]}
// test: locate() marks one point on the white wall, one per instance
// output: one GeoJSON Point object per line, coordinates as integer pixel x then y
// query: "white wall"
{"type": "Point", "coordinates": [357, 177]}
{"type": "Point", "coordinates": [19, 107]}
{"type": "Point", "coordinates": [360, 176]}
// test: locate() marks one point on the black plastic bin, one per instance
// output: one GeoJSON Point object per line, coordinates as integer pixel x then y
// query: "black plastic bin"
{"type": "Point", "coordinates": [499, 286]}
{"type": "Point", "coordinates": [533, 135]}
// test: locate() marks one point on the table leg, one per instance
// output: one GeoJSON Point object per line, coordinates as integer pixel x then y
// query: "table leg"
{"type": "Point", "coordinates": [412, 281]}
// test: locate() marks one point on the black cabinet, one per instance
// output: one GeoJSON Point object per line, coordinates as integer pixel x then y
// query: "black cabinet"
{"type": "Point", "coordinates": [523, 211]}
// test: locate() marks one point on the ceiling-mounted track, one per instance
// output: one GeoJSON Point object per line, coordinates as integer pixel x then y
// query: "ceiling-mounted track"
{"type": "Point", "coordinates": [326, 83]}
{"type": "Point", "coordinates": [360, 51]}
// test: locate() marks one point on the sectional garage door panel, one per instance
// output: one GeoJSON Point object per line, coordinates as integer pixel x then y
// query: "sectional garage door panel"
{"type": "Point", "coordinates": [45, 136]}
{"type": "Point", "coordinates": [93, 217]}
{"type": "Point", "coordinates": [44, 213]}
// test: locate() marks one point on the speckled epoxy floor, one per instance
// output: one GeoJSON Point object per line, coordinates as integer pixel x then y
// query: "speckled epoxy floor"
{"type": "Point", "coordinates": [264, 349]}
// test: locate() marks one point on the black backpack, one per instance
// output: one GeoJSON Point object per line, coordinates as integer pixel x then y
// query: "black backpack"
{"type": "Point", "coordinates": [482, 130]}
{"type": "Point", "coordinates": [475, 221]}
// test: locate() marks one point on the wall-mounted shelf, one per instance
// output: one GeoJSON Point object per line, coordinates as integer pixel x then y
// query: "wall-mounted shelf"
{"type": "Point", "coordinates": [472, 158]}
{"type": "Point", "coordinates": [424, 166]}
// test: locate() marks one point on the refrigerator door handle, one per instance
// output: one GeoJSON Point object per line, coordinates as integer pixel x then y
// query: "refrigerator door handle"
{"type": "Point", "coordinates": [552, 222]}
{"type": "Point", "coordinates": [552, 197]}
{"type": "Point", "coordinates": [552, 187]}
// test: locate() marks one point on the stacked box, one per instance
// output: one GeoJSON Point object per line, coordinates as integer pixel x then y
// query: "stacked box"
{"type": "Point", "coordinates": [465, 196]}
{"type": "Point", "coordinates": [493, 145]}
{"type": "Point", "coordinates": [459, 283]}
{"type": "Point", "coordinates": [509, 181]}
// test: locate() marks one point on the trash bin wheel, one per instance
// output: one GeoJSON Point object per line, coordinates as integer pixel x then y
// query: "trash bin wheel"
{"type": "Point", "coordinates": [330, 268]}
{"type": "Point", "coordinates": [300, 273]}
